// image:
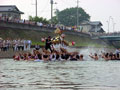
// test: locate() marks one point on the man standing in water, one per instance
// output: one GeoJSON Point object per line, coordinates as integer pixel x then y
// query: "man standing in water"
{"type": "Point", "coordinates": [48, 44]}
{"type": "Point", "coordinates": [117, 51]}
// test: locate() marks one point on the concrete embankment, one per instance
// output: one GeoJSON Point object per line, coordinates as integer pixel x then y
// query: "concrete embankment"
{"type": "Point", "coordinates": [35, 33]}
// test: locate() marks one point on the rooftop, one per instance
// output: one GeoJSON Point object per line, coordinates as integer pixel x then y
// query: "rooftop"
{"type": "Point", "coordinates": [92, 23]}
{"type": "Point", "coordinates": [10, 8]}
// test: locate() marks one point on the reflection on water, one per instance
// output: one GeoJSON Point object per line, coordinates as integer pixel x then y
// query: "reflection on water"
{"type": "Point", "coordinates": [78, 75]}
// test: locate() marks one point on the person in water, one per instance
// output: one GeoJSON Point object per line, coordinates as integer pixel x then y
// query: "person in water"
{"type": "Point", "coordinates": [95, 56]}
{"type": "Point", "coordinates": [16, 57]}
{"type": "Point", "coordinates": [48, 43]}
{"type": "Point", "coordinates": [81, 57]}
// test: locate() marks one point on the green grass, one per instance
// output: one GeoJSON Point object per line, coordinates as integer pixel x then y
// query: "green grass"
{"type": "Point", "coordinates": [79, 45]}
{"type": "Point", "coordinates": [39, 43]}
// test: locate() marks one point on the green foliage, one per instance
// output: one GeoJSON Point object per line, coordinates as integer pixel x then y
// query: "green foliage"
{"type": "Point", "coordinates": [54, 20]}
{"type": "Point", "coordinates": [68, 16]}
{"type": "Point", "coordinates": [39, 19]}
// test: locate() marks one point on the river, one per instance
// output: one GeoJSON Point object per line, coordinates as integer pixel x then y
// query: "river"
{"type": "Point", "coordinates": [65, 75]}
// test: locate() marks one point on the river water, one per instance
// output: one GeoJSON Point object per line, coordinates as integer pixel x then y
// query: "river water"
{"type": "Point", "coordinates": [65, 75]}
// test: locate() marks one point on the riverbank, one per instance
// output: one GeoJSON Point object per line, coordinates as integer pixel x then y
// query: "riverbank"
{"type": "Point", "coordinates": [80, 39]}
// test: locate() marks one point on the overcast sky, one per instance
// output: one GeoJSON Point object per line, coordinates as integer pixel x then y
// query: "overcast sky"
{"type": "Point", "coordinates": [99, 10]}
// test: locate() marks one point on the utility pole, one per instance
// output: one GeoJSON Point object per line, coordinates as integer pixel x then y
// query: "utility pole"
{"type": "Point", "coordinates": [77, 13]}
{"type": "Point", "coordinates": [108, 26]}
{"type": "Point", "coordinates": [109, 23]}
{"type": "Point", "coordinates": [36, 8]}
{"type": "Point", "coordinates": [51, 2]}
{"type": "Point", "coordinates": [113, 25]}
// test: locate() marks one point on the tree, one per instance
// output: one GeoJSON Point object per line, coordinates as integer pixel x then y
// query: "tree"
{"type": "Point", "coordinates": [68, 16]}
{"type": "Point", "coordinates": [54, 20]}
{"type": "Point", "coordinates": [39, 19]}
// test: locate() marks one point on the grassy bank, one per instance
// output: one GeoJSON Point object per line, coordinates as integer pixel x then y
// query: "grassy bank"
{"type": "Point", "coordinates": [36, 36]}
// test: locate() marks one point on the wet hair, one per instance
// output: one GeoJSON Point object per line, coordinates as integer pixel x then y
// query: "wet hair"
{"type": "Point", "coordinates": [106, 55]}
{"type": "Point", "coordinates": [95, 54]}
{"type": "Point", "coordinates": [111, 54]}
{"type": "Point", "coordinates": [62, 56]}
{"type": "Point", "coordinates": [67, 56]}
{"type": "Point", "coordinates": [77, 57]}
{"type": "Point", "coordinates": [29, 54]}
{"type": "Point", "coordinates": [39, 56]}
{"type": "Point", "coordinates": [81, 55]}
{"type": "Point", "coordinates": [57, 56]}
{"type": "Point", "coordinates": [117, 56]}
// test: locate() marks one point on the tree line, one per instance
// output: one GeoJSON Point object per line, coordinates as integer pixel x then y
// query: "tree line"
{"type": "Point", "coordinates": [67, 17]}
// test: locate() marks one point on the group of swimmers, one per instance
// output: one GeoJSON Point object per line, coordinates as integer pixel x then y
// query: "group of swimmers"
{"type": "Point", "coordinates": [46, 55]}
{"type": "Point", "coordinates": [107, 56]}
{"type": "Point", "coordinates": [63, 54]}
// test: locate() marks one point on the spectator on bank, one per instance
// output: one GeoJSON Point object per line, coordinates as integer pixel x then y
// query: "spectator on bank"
{"type": "Point", "coordinates": [19, 47]}
{"type": "Point", "coordinates": [4, 45]}
{"type": "Point", "coordinates": [24, 43]}
{"type": "Point", "coordinates": [40, 24]}
{"type": "Point", "coordinates": [24, 20]}
{"type": "Point", "coordinates": [29, 44]}
{"type": "Point", "coordinates": [8, 42]}
{"type": "Point", "coordinates": [21, 21]}
{"type": "Point", "coordinates": [15, 45]}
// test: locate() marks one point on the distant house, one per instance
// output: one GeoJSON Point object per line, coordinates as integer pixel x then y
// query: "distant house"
{"type": "Point", "coordinates": [10, 11]}
{"type": "Point", "coordinates": [94, 27]}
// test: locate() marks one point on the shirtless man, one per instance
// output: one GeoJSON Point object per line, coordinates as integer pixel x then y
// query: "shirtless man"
{"type": "Point", "coordinates": [95, 56]}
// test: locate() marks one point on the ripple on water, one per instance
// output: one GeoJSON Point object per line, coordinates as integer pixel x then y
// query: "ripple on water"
{"type": "Point", "coordinates": [85, 75]}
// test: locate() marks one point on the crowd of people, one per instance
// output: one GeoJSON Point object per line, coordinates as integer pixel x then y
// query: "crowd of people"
{"type": "Point", "coordinates": [40, 24]}
{"type": "Point", "coordinates": [64, 55]}
{"type": "Point", "coordinates": [51, 53]}
{"type": "Point", "coordinates": [107, 55]}
{"type": "Point", "coordinates": [16, 44]}
{"type": "Point", "coordinates": [112, 55]}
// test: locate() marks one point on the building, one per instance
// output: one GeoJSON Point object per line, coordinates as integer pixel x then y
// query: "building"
{"type": "Point", "coordinates": [94, 27]}
{"type": "Point", "coordinates": [10, 11]}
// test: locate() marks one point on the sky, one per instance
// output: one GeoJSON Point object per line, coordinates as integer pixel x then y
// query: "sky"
{"type": "Point", "coordinates": [99, 10]}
